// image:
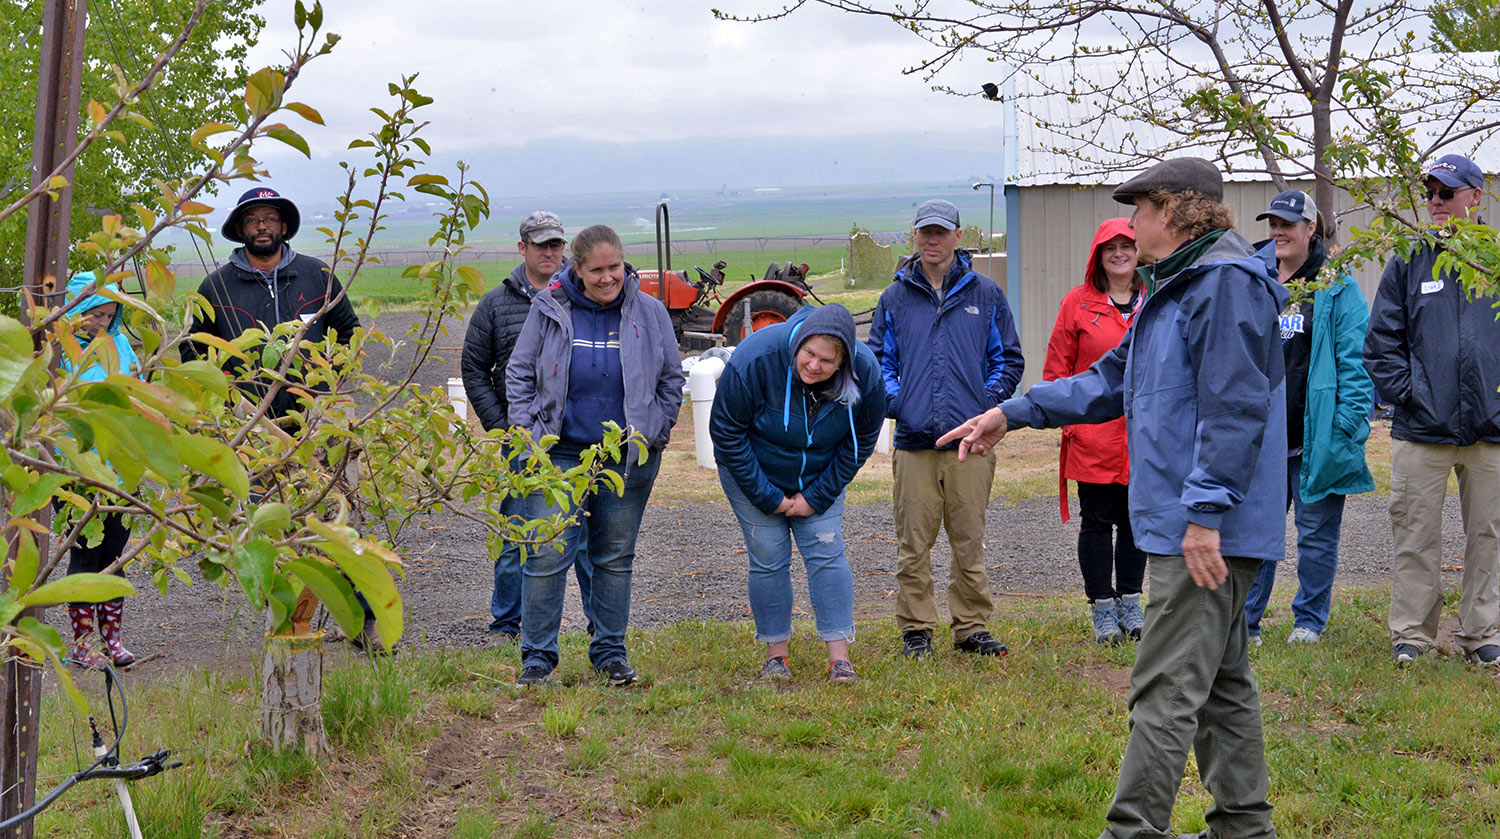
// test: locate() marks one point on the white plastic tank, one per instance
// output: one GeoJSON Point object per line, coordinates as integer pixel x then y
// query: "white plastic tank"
{"type": "Point", "coordinates": [703, 383]}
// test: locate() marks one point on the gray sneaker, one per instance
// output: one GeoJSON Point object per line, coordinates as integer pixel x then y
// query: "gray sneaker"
{"type": "Point", "coordinates": [1404, 654]}
{"type": "Point", "coordinates": [1106, 625]}
{"type": "Point", "coordinates": [1303, 635]}
{"type": "Point", "coordinates": [775, 669]}
{"type": "Point", "coordinates": [841, 672]}
{"type": "Point", "coordinates": [1130, 615]}
{"type": "Point", "coordinates": [1487, 655]}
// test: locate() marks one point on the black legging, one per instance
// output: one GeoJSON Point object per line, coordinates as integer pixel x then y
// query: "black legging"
{"type": "Point", "coordinates": [1106, 547]}
{"type": "Point", "coordinates": [83, 559]}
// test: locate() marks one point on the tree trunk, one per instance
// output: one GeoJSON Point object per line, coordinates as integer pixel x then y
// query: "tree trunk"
{"type": "Point", "coordinates": [291, 691]}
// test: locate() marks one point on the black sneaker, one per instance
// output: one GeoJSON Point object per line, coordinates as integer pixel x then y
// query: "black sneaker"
{"type": "Point", "coordinates": [980, 643]}
{"type": "Point", "coordinates": [1487, 655]}
{"type": "Point", "coordinates": [916, 643]}
{"type": "Point", "coordinates": [534, 674]}
{"type": "Point", "coordinates": [617, 673]}
{"type": "Point", "coordinates": [1405, 653]}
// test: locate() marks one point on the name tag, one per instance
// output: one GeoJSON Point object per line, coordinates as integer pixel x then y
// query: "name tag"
{"type": "Point", "coordinates": [308, 317]}
{"type": "Point", "coordinates": [1432, 286]}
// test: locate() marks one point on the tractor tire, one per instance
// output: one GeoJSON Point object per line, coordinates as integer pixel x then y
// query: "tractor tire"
{"type": "Point", "coordinates": [767, 308]}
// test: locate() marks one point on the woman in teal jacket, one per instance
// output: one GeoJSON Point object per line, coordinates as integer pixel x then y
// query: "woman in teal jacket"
{"type": "Point", "coordinates": [1328, 404]}
{"type": "Point", "coordinates": [95, 317]}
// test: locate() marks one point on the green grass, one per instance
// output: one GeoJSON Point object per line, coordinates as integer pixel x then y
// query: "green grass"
{"type": "Point", "coordinates": [954, 747]}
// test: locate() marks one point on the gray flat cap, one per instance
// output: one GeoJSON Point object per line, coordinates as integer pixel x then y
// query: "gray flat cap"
{"type": "Point", "coordinates": [1179, 174]}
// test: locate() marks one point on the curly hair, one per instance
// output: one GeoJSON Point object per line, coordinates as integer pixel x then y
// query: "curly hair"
{"type": "Point", "coordinates": [1192, 212]}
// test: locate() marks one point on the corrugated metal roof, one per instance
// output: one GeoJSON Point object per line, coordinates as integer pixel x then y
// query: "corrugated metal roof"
{"type": "Point", "coordinates": [1064, 135]}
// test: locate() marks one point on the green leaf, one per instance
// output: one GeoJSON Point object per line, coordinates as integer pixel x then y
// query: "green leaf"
{"type": "Point", "coordinates": [37, 494]}
{"type": "Point", "coordinates": [79, 588]}
{"type": "Point", "coordinates": [81, 431]}
{"type": "Point", "coordinates": [291, 138]}
{"type": "Point", "coordinates": [365, 563]}
{"type": "Point", "coordinates": [214, 459]}
{"type": "Point", "coordinates": [307, 112]}
{"type": "Point", "coordinates": [206, 375]}
{"type": "Point", "coordinates": [23, 572]}
{"type": "Point", "coordinates": [417, 180]}
{"type": "Point", "coordinates": [333, 589]}
{"type": "Point", "coordinates": [44, 634]}
{"type": "Point", "coordinates": [273, 517]}
{"type": "Point", "coordinates": [213, 499]}
{"type": "Point", "coordinates": [9, 607]}
{"type": "Point", "coordinates": [208, 130]}
{"type": "Point", "coordinates": [281, 599]}
{"type": "Point", "coordinates": [16, 354]}
{"type": "Point", "coordinates": [254, 564]}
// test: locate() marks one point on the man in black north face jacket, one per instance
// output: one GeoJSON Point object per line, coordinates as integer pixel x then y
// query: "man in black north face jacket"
{"type": "Point", "coordinates": [1435, 356]}
{"type": "Point", "coordinates": [266, 283]}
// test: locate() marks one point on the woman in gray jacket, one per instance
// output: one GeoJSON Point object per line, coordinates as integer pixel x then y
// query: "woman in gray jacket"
{"type": "Point", "coordinates": [593, 350]}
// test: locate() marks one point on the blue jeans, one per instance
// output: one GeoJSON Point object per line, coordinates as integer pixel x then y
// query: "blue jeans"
{"type": "Point", "coordinates": [820, 539]}
{"type": "Point", "coordinates": [610, 527]}
{"type": "Point", "coordinates": [1318, 528]}
{"type": "Point", "coordinates": [505, 601]}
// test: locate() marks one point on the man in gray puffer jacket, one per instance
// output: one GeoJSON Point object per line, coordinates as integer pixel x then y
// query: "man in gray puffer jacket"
{"type": "Point", "coordinates": [488, 343]}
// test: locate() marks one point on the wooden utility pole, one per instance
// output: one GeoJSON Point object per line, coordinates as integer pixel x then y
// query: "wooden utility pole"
{"type": "Point", "coordinates": [59, 87]}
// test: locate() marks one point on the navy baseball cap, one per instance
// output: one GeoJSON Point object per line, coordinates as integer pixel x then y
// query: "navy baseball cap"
{"type": "Point", "coordinates": [1456, 171]}
{"type": "Point", "coordinates": [938, 212]}
{"type": "Point", "coordinates": [1292, 205]}
{"type": "Point", "coordinates": [261, 195]}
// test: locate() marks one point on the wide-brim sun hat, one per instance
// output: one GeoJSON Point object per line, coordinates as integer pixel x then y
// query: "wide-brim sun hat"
{"type": "Point", "coordinates": [291, 220]}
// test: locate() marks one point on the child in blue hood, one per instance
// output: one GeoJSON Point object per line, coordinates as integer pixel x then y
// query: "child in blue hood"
{"type": "Point", "coordinates": [796, 414]}
{"type": "Point", "coordinates": [98, 317]}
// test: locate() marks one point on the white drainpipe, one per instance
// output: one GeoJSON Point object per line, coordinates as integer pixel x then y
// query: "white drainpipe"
{"type": "Point", "coordinates": [703, 382]}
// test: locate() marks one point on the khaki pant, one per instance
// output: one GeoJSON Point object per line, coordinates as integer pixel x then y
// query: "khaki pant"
{"type": "Point", "coordinates": [1419, 479]}
{"type": "Point", "coordinates": [1191, 688]}
{"type": "Point", "coordinates": [933, 489]}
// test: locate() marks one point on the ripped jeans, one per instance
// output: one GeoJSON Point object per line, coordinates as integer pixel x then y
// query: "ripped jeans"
{"type": "Point", "coordinates": [820, 539]}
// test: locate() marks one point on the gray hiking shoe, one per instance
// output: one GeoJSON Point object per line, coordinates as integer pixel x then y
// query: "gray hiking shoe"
{"type": "Point", "coordinates": [841, 672]}
{"type": "Point", "coordinates": [1106, 624]}
{"type": "Point", "coordinates": [1130, 615]}
{"type": "Point", "coordinates": [775, 669]}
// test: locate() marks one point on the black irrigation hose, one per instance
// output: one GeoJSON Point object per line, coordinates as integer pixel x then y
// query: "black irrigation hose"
{"type": "Point", "coordinates": [107, 764]}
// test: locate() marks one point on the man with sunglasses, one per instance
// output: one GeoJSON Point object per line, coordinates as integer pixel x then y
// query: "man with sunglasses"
{"type": "Point", "coordinates": [491, 336]}
{"type": "Point", "coordinates": [1435, 356]}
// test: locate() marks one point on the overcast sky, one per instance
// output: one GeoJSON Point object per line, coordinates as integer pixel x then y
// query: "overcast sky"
{"type": "Point", "coordinates": [515, 80]}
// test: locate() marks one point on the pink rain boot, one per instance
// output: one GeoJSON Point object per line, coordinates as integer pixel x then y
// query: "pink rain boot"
{"type": "Point", "coordinates": [109, 628]}
{"type": "Point", "coordinates": [80, 652]}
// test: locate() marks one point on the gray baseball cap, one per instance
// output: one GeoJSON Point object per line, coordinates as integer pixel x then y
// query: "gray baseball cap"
{"type": "Point", "coordinates": [542, 226]}
{"type": "Point", "coordinates": [938, 212]}
{"type": "Point", "coordinates": [1180, 174]}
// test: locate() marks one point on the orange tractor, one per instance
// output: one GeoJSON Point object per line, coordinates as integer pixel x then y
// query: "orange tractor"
{"type": "Point", "coordinates": [700, 317]}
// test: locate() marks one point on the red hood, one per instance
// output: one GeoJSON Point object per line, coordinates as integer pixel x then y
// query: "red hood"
{"type": "Point", "coordinates": [1108, 230]}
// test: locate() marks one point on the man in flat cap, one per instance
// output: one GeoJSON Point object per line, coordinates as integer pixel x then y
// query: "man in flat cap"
{"type": "Point", "coordinates": [1435, 356]}
{"type": "Point", "coordinates": [948, 348]}
{"type": "Point", "coordinates": [1201, 378]}
{"type": "Point", "coordinates": [491, 336]}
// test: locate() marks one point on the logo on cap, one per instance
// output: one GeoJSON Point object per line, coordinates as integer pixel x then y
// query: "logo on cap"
{"type": "Point", "coordinates": [267, 193]}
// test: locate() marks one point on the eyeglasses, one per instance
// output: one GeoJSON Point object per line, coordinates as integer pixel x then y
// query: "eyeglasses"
{"type": "Point", "coordinates": [554, 245]}
{"type": "Point", "coordinates": [1445, 193]}
{"type": "Point", "coordinates": [257, 221]}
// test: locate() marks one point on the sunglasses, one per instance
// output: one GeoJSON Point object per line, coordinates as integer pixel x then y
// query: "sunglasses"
{"type": "Point", "coordinates": [1445, 194]}
{"type": "Point", "coordinates": [554, 245]}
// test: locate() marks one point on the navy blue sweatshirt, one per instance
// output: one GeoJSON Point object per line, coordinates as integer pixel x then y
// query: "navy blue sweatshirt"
{"type": "Point", "coordinates": [596, 389]}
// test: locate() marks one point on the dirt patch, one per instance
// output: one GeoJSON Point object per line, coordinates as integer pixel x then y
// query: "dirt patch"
{"type": "Point", "coordinates": [1114, 679]}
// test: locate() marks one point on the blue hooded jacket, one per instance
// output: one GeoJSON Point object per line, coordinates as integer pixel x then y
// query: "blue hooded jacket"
{"type": "Point", "coordinates": [1201, 380]}
{"type": "Point", "coordinates": [764, 435]}
{"type": "Point", "coordinates": [130, 363]}
{"type": "Point", "coordinates": [944, 359]}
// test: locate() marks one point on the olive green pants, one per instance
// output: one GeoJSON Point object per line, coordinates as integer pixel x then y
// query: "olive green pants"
{"type": "Point", "coordinates": [1191, 688]}
{"type": "Point", "coordinates": [933, 489]}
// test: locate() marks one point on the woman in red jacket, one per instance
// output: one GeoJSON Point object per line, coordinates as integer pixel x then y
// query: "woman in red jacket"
{"type": "Point", "coordinates": [1090, 322]}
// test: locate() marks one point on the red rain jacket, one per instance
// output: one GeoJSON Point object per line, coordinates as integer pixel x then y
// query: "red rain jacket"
{"type": "Point", "coordinates": [1088, 326]}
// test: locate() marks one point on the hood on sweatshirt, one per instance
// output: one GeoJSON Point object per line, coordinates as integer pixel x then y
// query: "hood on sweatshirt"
{"type": "Point", "coordinates": [84, 280]}
{"type": "Point", "coordinates": [834, 321]}
{"type": "Point", "coordinates": [1108, 230]}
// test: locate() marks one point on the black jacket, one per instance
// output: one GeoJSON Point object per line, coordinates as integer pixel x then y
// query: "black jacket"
{"type": "Point", "coordinates": [1434, 355]}
{"type": "Point", "coordinates": [245, 298]}
{"type": "Point", "coordinates": [493, 329]}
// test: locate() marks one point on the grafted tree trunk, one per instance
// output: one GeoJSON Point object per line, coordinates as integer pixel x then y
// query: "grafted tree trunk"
{"type": "Point", "coordinates": [291, 691]}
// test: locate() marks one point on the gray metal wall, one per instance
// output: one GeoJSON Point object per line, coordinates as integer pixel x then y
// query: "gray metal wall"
{"type": "Point", "coordinates": [1056, 224]}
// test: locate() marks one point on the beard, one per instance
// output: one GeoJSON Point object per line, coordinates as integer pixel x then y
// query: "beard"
{"type": "Point", "coordinates": [271, 249]}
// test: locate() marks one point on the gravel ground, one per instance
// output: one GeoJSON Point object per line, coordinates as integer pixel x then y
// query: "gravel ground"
{"type": "Point", "coordinates": [690, 565]}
